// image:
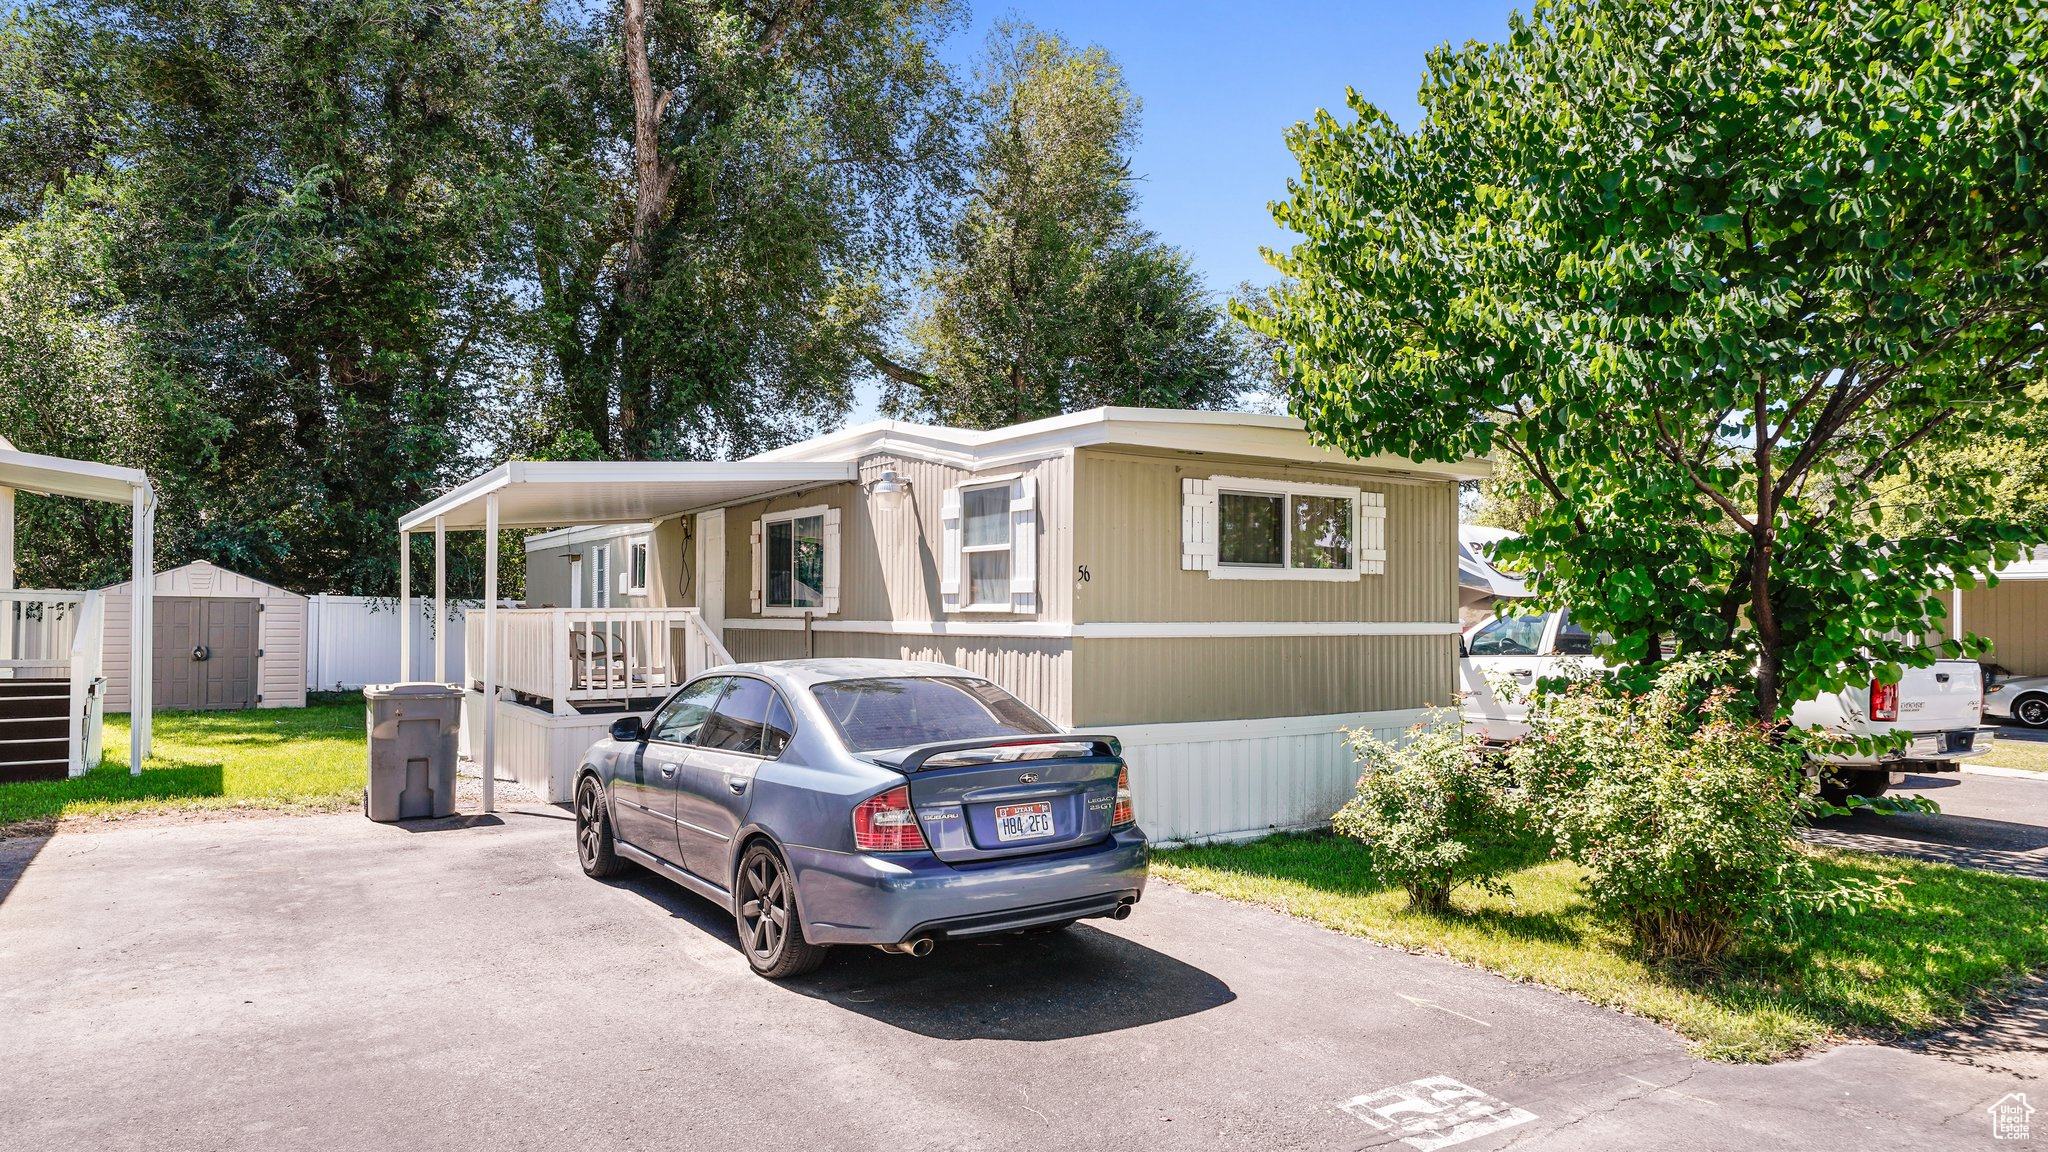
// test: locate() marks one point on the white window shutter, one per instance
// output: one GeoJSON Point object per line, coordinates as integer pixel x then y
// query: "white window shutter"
{"type": "Point", "coordinates": [831, 561]}
{"type": "Point", "coordinates": [1024, 544]}
{"type": "Point", "coordinates": [949, 550]}
{"type": "Point", "coordinates": [1372, 533]}
{"type": "Point", "coordinates": [1197, 525]}
{"type": "Point", "coordinates": [754, 596]}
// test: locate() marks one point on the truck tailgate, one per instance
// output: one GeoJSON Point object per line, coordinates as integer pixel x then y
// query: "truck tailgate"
{"type": "Point", "coordinates": [1946, 697]}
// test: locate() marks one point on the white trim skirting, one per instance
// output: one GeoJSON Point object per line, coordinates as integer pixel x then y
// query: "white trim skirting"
{"type": "Point", "coordinates": [1234, 779]}
{"type": "Point", "coordinates": [1114, 630]}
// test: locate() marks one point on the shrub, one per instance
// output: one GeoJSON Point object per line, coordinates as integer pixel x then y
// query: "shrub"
{"type": "Point", "coordinates": [1680, 808]}
{"type": "Point", "coordinates": [1435, 813]}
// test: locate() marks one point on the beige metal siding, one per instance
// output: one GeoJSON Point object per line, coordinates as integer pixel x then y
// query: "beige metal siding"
{"type": "Point", "coordinates": [2014, 617]}
{"type": "Point", "coordinates": [1127, 523]}
{"type": "Point", "coordinates": [1211, 678]}
{"type": "Point", "coordinates": [889, 562]}
{"type": "Point", "coordinates": [1036, 671]}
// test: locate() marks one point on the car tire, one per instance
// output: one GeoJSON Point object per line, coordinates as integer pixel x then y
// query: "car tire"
{"type": "Point", "coordinates": [764, 910]}
{"type": "Point", "coordinates": [2031, 711]}
{"type": "Point", "coordinates": [1869, 783]}
{"type": "Point", "coordinates": [594, 832]}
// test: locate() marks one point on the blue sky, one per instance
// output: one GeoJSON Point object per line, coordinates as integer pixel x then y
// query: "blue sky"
{"type": "Point", "coordinates": [1222, 82]}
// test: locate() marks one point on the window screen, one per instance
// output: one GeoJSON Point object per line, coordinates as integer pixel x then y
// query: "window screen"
{"type": "Point", "coordinates": [1251, 528]}
{"type": "Point", "coordinates": [796, 562]}
{"type": "Point", "coordinates": [1321, 527]}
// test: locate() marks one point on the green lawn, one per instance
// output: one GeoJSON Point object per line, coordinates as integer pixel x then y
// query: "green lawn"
{"type": "Point", "coordinates": [308, 759]}
{"type": "Point", "coordinates": [2031, 755]}
{"type": "Point", "coordinates": [1952, 938]}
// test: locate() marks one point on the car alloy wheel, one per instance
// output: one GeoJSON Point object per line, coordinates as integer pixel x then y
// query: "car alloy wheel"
{"type": "Point", "coordinates": [764, 908]}
{"type": "Point", "coordinates": [770, 925]}
{"type": "Point", "coordinates": [2032, 711]}
{"type": "Point", "coordinates": [593, 832]}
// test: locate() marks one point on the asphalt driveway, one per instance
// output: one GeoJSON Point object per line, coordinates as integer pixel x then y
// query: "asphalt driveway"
{"type": "Point", "coordinates": [1997, 823]}
{"type": "Point", "coordinates": [324, 982]}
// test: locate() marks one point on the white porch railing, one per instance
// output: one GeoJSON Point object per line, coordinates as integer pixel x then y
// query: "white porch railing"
{"type": "Point", "coordinates": [37, 627]}
{"type": "Point", "coordinates": [578, 655]}
{"type": "Point", "coordinates": [50, 634]}
{"type": "Point", "coordinates": [88, 683]}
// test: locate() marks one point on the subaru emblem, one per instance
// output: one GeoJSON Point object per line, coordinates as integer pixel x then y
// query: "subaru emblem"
{"type": "Point", "coordinates": [1028, 778]}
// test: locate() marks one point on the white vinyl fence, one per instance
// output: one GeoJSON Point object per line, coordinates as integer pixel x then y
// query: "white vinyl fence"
{"type": "Point", "coordinates": [353, 640]}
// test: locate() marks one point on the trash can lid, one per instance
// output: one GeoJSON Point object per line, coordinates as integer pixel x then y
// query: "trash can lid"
{"type": "Point", "coordinates": [412, 688]}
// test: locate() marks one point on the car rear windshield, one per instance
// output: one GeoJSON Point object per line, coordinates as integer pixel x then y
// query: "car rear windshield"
{"type": "Point", "coordinates": [901, 711]}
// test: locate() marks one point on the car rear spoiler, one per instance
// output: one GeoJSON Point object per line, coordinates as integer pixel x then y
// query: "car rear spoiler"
{"type": "Point", "coordinates": [914, 759]}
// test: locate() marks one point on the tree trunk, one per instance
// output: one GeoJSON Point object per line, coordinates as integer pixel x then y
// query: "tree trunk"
{"type": "Point", "coordinates": [1762, 615]}
{"type": "Point", "coordinates": [653, 175]}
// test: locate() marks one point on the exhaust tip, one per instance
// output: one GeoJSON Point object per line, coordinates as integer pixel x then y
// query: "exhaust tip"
{"type": "Point", "coordinates": [1123, 912]}
{"type": "Point", "coordinates": [920, 947]}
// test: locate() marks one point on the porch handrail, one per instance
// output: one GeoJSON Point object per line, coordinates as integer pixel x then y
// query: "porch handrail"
{"type": "Point", "coordinates": [571, 655]}
{"type": "Point", "coordinates": [37, 629]}
{"type": "Point", "coordinates": [87, 645]}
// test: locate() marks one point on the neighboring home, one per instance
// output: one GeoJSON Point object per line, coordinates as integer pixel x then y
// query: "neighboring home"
{"type": "Point", "coordinates": [221, 640]}
{"type": "Point", "coordinates": [1210, 587]}
{"type": "Point", "coordinates": [2013, 615]}
{"type": "Point", "coordinates": [1481, 585]}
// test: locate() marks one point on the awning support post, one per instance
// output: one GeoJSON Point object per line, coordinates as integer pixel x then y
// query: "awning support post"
{"type": "Point", "coordinates": [489, 766]}
{"type": "Point", "coordinates": [440, 600]}
{"type": "Point", "coordinates": [141, 618]}
{"type": "Point", "coordinates": [405, 620]}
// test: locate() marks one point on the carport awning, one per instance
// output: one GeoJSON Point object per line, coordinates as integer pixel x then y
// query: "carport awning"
{"type": "Point", "coordinates": [557, 494]}
{"type": "Point", "coordinates": [57, 476]}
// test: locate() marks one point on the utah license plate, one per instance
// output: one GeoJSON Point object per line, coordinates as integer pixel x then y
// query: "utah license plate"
{"type": "Point", "coordinates": [1023, 821]}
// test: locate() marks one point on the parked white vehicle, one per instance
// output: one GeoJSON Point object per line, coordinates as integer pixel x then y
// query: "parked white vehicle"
{"type": "Point", "coordinates": [2015, 699]}
{"type": "Point", "coordinates": [1940, 708]}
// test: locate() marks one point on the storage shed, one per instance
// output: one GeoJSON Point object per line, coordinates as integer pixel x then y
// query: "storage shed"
{"type": "Point", "coordinates": [223, 640]}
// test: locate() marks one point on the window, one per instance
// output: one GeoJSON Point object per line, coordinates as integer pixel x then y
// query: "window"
{"type": "Point", "coordinates": [989, 559]}
{"type": "Point", "coordinates": [1253, 529]}
{"type": "Point", "coordinates": [740, 720]}
{"type": "Point", "coordinates": [680, 718]}
{"type": "Point", "coordinates": [1510, 636]}
{"type": "Point", "coordinates": [1572, 640]}
{"type": "Point", "coordinates": [985, 546]}
{"type": "Point", "coordinates": [636, 568]}
{"type": "Point", "coordinates": [1281, 530]}
{"type": "Point", "coordinates": [601, 576]}
{"type": "Point", "coordinates": [901, 711]}
{"type": "Point", "coordinates": [796, 562]}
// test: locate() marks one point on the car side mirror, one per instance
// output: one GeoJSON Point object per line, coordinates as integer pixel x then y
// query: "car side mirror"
{"type": "Point", "coordinates": [629, 730]}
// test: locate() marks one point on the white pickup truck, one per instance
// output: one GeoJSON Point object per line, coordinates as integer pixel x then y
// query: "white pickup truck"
{"type": "Point", "coordinates": [1941, 709]}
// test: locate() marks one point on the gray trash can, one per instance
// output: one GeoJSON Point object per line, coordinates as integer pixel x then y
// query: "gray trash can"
{"type": "Point", "coordinates": [413, 733]}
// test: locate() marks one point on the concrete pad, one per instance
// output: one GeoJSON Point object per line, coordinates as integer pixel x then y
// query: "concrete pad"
{"type": "Point", "coordinates": [326, 982]}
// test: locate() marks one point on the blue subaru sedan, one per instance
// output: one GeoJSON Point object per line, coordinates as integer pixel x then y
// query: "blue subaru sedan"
{"type": "Point", "coordinates": [882, 802]}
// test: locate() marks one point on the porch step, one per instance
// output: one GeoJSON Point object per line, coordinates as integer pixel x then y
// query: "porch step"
{"type": "Point", "coordinates": [35, 707]}
{"type": "Point", "coordinates": [56, 726]}
{"type": "Point", "coordinates": [35, 686]}
{"type": "Point", "coordinates": [26, 770]}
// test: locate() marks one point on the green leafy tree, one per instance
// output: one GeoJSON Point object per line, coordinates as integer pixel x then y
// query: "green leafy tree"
{"type": "Point", "coordinates": [1047, 296]}
{"type": "Point", "coordinates": [718, 193]}
{"type": "Point", "coordinates": [1711, 273]}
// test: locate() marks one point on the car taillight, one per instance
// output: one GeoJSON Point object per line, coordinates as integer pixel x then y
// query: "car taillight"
{"type": "Point", "coordinates": [1884, 700]}
{"type": "Point", "coordinates": [887, 823]}
{"type": "Point", "coordinates": [1124, 814]}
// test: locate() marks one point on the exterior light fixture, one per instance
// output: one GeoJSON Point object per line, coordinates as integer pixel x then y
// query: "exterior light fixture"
{"type": "Point", "coordinates": [889, 491]}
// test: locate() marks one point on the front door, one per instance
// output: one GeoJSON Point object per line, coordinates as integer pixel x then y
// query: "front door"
{"type": "Point", "coordinates": [204, 652]}
{"type": "Point", "coordinates": [644, 790]}
{"type": "Point", "coordinates": [750, 726]}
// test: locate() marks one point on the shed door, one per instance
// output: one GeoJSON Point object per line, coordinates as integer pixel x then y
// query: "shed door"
{"type": "Point", "coordinates": [205, 652]}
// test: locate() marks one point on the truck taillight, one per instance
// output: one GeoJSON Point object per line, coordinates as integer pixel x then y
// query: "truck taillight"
{"type": "Point", "coordinates": [1884, 700]}
{"type": "Point", "coordinates": [887, 823]}
{"type": "Point", "coordinates": [1125, 815]}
